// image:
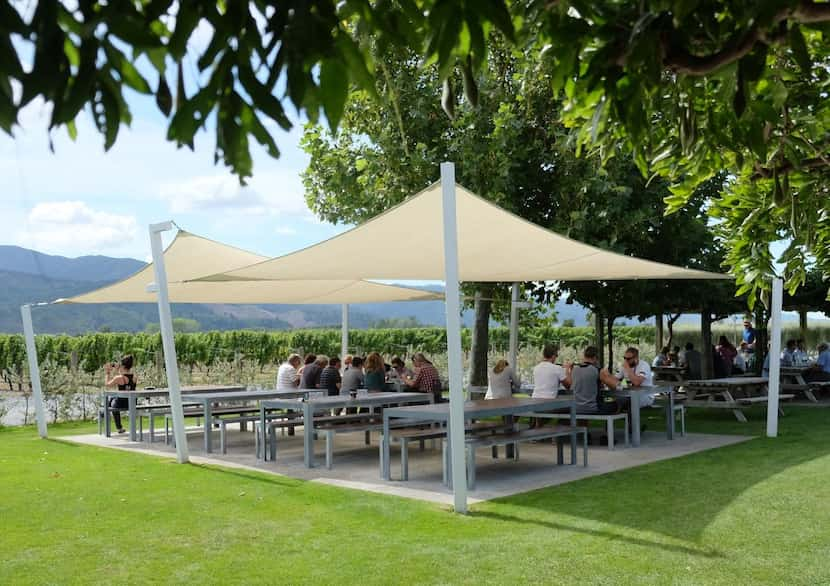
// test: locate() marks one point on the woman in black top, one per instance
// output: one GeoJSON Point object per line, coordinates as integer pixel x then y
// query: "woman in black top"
{"type": "Point", "coordinates": [125, 380]}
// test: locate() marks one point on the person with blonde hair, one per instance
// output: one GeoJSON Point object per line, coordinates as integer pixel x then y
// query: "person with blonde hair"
{"type": "Point", "coordinates": [374, 372]}
{"type": "Point", "coordinates": [501, 381]}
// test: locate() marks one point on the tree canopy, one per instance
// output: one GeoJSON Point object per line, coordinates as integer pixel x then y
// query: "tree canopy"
{"type": "Point", "coordinates": [687, 88]}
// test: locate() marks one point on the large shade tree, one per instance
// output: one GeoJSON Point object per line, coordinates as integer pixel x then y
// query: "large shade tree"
{"type": "Point", "coordinates": [512, 150]}
{"type": "Point", "coordinates": [688, 87]}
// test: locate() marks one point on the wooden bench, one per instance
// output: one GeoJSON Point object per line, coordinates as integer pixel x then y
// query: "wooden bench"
{"type": "Point", "coordinates": [515, 437]}
{"type": "Point", "coordinates": [736, 405]}
{"type": "Point", "coordinates": [608, 418]}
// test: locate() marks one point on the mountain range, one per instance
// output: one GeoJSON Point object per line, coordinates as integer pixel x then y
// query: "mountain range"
{"type": "Point", "coordinates": [30, 277]}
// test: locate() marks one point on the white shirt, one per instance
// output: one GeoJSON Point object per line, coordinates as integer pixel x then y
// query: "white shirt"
{"type": "Point", "coordinates": [644, 370]}
{"type": "Point", "coordinates": [546, 379]}
{"type": "Point", "coordinates": [286, 377]}
{"type": "Point", "coordinates": [501, 384]}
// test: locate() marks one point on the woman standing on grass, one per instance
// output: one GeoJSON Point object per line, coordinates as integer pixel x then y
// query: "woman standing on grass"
{"type": "Point", "coordinates": [125, 381]}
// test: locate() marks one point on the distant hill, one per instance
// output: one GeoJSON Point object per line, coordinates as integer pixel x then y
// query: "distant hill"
{"type": "Point", "coordinates": [83, 268]}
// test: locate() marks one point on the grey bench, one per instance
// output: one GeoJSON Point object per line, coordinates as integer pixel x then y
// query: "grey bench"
{"type": "Point", "coordinates": [515, 438]}
{"type": "Point", "coordinates": [421, 433]}
{"type": "Point", "coordinates": [608, 418]}
{"type": "Point", "coordinates": [272, 426]}
{"type": "Point", "coordinates": [288, 418]}
{"type": "Point", "coordinates": [199, 413]}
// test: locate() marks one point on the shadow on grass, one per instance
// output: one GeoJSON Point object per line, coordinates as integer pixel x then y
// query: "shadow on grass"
{"type": "Point", "coordinates": [681, 497]}
{"type": "Point", "coordinates": [264, 477]}
{"type": "Point", "coordinates": [609, 535]}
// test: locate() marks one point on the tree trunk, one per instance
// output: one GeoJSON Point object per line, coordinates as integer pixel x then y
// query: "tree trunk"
{"type": "Point", "coordinates": [610, 363]}
{"type": "Point", "coordinates": [761, 337]}
{"type": "Point", "coordinates": [658, 337]}
{"type": "Point", "coordinates": [670, 326]}
{"type": "Point", "coordinates": [599, 333]}
{"type": "Point", "coordinates": [707, 366]}
{"type": "Point", "coordinates": [802, 324]}
{"type": "Point", "coordinates": [481, 338]}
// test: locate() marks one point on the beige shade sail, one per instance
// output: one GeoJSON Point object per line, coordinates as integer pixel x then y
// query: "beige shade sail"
{"type": "Point", "coordinates": [190, 256]}
{"type": "Point", "coordinates": [406, 242]}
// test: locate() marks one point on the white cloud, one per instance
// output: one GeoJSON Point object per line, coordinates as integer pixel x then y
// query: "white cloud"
{"type": "Point", "coordinates": [268, 193]}
{"type": "Point", "coordinates": [66, 227]}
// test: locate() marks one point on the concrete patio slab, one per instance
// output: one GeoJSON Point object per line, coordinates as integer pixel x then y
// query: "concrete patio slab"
{"type": "Point", "coordinates": [356, 464]}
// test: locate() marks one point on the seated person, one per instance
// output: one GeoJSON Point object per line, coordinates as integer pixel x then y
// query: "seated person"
{"type": "Point", "coordinates": [788, 354]}
{"type": "Point", "coordinates": [287, 375]}
{"type": "Point", "coordinates": [587, 380]}
{"type": "Point", "coordinates": [427, 379]}
{"type": "Point", "coordinates": [638, 373]}
{"type": "Point", "coordinates": [375, 373]}
{"type": "Point", "coordinates": [399, 369]}
{"type": "Point", "coordinates": [662, 359]}
{"type": "Point", "coordinates": [330, 377]}
{"type": "Point", "coordinates": [800, 355]}
{"type": "Point", "coordinates": [820, 371]}
{"type": "Point", "coordinates": [692, 360]}
{"type": "Point", "coordinates": [547, 375]}
{"type": "Point", "coordinates": [353, 377]}
{"type": "Point", "coordinates": [501, 381]}
{"type": "Point", "coordinates": [125, 380]}
{"type": "Point", "coordinates": [310, 378]}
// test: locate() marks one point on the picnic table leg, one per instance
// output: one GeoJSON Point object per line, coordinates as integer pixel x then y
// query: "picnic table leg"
{"type": "Point", "coordinates": [739, 414]}
{"type": "Point", "coordinates": [509, 449]}
{"type": "Point", "coordinates": [107, 425]}
{"type": "Point", "coordinates": [262, 437]}
{"type": "Point", "coordinates": [131, 410]}
{"type": "Point", "coordinates": [573, 434]}
{"type": "Point", "coordinates": [670, 414]}
{"type": "Point", "coordinates": [208, 427]}
{"type": "Point", "coordinates": [308, 435]}
{"type": "Point", "coordinates": [385, 467]}
{"type": "Point", "coordinates": [634, 411]}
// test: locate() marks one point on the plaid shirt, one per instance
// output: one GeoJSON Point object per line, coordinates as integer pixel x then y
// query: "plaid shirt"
{"type": "Point", "coordinates": [427, 379]}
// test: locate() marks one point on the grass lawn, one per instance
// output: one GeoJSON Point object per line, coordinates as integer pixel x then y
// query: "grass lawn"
{"type": "Point", "coordinates": [752, 513]}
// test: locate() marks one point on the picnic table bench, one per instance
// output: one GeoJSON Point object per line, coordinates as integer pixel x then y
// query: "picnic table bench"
{"type": "Point", "coordinates": [734, 393]}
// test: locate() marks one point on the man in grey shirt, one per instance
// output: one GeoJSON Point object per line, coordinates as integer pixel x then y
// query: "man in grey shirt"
{"type": "Point", "coordinates": [353, 377]}
{"type": "Point", "coordinates": [586, 380]}
{"type": "Point", "coordinates": [691, 359]}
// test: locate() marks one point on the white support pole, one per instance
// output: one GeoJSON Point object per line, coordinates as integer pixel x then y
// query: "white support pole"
{"type": "Point", "coordinates": [453, 304]}
{"type": "Point", "coordinates": [34, 369]}
{"type": "Point", "coordinates": [514, 328]}
{"type": "Point", "coordinates": [168, 342]}
{"type": "Point", "coordinates": [774, 357]}
{"type": "Point", "coordinates": [344, 333]}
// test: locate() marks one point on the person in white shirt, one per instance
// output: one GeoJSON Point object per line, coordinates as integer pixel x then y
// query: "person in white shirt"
{"type": "Point", "coordinates": [501, 381]}
{"type": "Point", "coordinates": [638, 373]}
{"type": "Point", "coordinates": [287, 375]}
{"type": "Point", "coordinates": [547, 375]}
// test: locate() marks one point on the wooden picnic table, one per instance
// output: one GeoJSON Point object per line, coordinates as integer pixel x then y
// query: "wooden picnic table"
{"type": "Point", "coordinates": [481, 409]}
{"type": "Point", "coordinates": [669, 373]}
{"type": "Point", "coordinates": [735, 393]}
{"type": "Point", "coordinates": [151, 392]}
{"type": "Point", "coordinates": [793, 379]}
{"type": "Point", "coordinates": [317, 404]}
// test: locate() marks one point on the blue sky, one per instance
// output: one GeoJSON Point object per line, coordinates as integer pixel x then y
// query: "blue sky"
{"type": "Point", "coordinates": [81, 200]}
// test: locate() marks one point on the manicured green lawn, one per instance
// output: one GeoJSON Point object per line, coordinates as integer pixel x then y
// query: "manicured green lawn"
{"type": "Point", "coordinates": [752, 513]}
